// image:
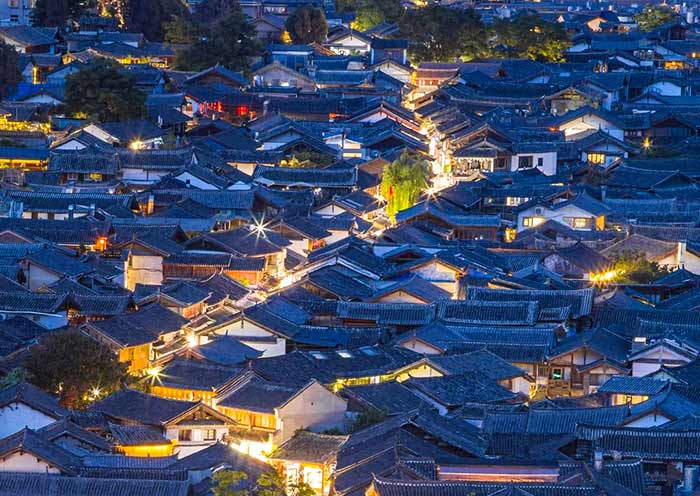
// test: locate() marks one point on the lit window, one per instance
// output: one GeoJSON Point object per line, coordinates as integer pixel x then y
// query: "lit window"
{"type": "Point", "coordinates": [344, 354]}
{"type": "Point", "coordinates": [596, 158]}
{"type": "Point", "coordinates": [318, 355]}
{"type": "Point", "coordinates": [94, 177]}
{"type": "Point", "coordinates": [532, 221]}
{"type": "Point", "coordinates": [581, 223]}
{"type": "Point", "coordinates": [209, 434]}
{"type": "Point", "coordinates": [185, 435]}
{"type": "Point", "coordinates": [557, 374]}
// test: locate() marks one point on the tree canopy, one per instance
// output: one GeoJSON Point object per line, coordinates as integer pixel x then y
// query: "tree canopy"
{"type": "Point", "coordinates": [653, 16]}
{"type": "Point", "coordinates": [77, 366]}
{"type": "Point", "coordinates": [229, 41]}
{"type": "Point", "coordinates": [528, 36]}
{"type": "Point", "coordinates": [104, 93]}
{"type": "Point", "coordinates": [633, 267]}
{"type": "Point", "coordinates": [306, 25]}
{"type": "Point", "coordinates": [444, 34]}
{"type": "Point", "coordinates": [402, 182]}
{"type": "Point", "coordinates": [57, 12]}
{"type": "Point", "coordinates": [369, 13]}
{"type": "Point", "coordinates": [9, 68]}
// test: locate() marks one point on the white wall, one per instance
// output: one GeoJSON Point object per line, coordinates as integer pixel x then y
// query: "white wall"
{"type": "Point", "coordinates": [549, 162]}
{"type": "Point", "coordinates": [25, 462]}
{"type": "Point", "coordinates": [651, 420]}
{"type": "Point", "coordinates": [16, 416]}
{"type": "Point", "coordinates": [38, 277]}
{"type": "Point", "coordinates": [316, 408]}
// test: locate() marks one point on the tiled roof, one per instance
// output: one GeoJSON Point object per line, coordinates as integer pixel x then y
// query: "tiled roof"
{"type": "Point", "coordinates": [40, 484]}
{"type": "Point", "coordinates": [581, 300]}
{"type": "Point", "coordinates": [131, 405]}
{"type": "Point", "coordinates": [309, 447]}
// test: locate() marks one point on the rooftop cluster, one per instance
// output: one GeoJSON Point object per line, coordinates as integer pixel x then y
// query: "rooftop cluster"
{"type": "Point", "coordinates": [350, 247]}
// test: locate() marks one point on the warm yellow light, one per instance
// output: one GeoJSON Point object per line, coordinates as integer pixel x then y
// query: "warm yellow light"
{"type": "Point", "coordinates": [604, 276]}
{"type": "Point", "coordinates": [136, 145]}
{"type": "Point", "coordinates": [286, 281]}
{"type": "Point", "coordinates": [191, 340]}
{"type": "Point", "coordinates": [154, 373]}
{"type": "Point", "coordinates": [647, 143]}
{"type": "Point", "coordinates": [286, 38]}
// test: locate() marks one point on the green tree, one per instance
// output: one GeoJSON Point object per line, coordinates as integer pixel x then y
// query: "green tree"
{"type": "Point", "coordinates": [9, 69]}
{"type": "Point", "coordinates": [633, 267]}
{"type": "Point", "coordinates": [181, 30]}
{"type": "Point", "coordinates": [230, 41]}
{"type": "Point", "coordinates": [271, 484]}
{"type": "Point", "coordinates": [372, 12]}
{"type": "Point", "coordinates": [653, 16]}
{"type": "Point", "coordinates": [150, 16]}
{"type": "Point", "coordinates": [307, 25]}
{"type": "Point", "coordinates": [211, 10]}
{"type": "Point", "coordinates": [367, 17]}
{"type": "Point", "coordinates": [444, 34]}
{"type": "Point", "coordinates": [402, 182]}
{"type": "Point", "coordinates": [78, 367]}
{"type": "Point", "coordinates": [528, 36]}
{"type": "Point", "coordinates": [229, 483]}
{"type": "Point", "coordinates": [57, 12]}
{"type": "Point", "coordinates": [102, 92]}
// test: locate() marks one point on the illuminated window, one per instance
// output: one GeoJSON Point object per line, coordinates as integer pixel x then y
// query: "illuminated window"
{"type": "Point", "coordinates": [580, 223]}
{"type": "Point", "coordinates": [557, 374]}
{"type": "Point", "coordinates": [209, 434]}
{"type": "Point", "coordinates": [344, 354]}
{"type": "Point", "coordinates": [596, 158]}
{"type": "Point", "coordinates": [532, 221]}
{"type": "Point", "coordinates": [93, 176]}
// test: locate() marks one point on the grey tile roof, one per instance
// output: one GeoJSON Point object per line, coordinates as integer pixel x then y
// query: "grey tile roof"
{"type": "Point", "coordinates": [391, 398]}
{"type": "Point", "coordinates": [39, 485]}
{"type": "Point", "coordinates": [135, 435]}
{"type": "Point", "coordinates": [131, 405]}
{"type": "Point", "coordinates": [581, 300]}
{"type": "Point", "coordinates": [197, 375]}
{"type": "Point", "coordinates": [309, 447]}
{"type": "Point", "coordinates": [258, 395]}
{"type": "Point", "coordinates": [32, 396]}
{"type": "Point", "coordinates": [220, 454]}
{"type": "Point", "coordinates": [557, 421]}
{"type": "Point", "coordinates": [225, 350]}
{"type": "Point", "coordinates": [455, 390]}
{"type": "Point", "coordinates": [29, 441]}
{"type": "Point", "coordinates": [647, 386]}
{"type": "Point", "coordinates": [140, 327]}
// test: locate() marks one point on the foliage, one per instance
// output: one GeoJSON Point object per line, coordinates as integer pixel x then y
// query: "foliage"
{"type": "Point", "coordinates": [370, 13]}
{"type": "Point", "coordinates": [10, 75]}
{"type": "Point", "coordinates": [212, 10]}
{"type": "Point", "coordinates": [57, 12]}
{"type": "Point", "coordinates": [230, 41]}
{"type": "Point", "coordinates": [229, 483]}
{"type": "Point", "coordinates": [181, 30]}
{"type": "Point", "coordinates": [74, 365]}
{"type": "Point", "coordinates": [367, 419]}
{"type": "Point", "coordinates": [271, 484]}
{"type": "Point", "coordinates": [144, 16]}
{"type": "Point", "coordinates": [528, 36]}
{"type": "Point", "coordinates": [307, 25]}
{"type": "Point", "coordinates": [308, 159]}
{"type": "Point", "coordinates": [104, 93]}
{"type": "Point", "coordinates": [444, 34]}
{"type": "Point", "coordinates": [367, 17]}
{"type": "Point", "coordinates": [402, 182]}
{"type": "Point", "coordinates": [14, 377]}
{"type": "Point", "coordinates": [653, 16]}
{"type": "Point", "coordinates": [633, 267]}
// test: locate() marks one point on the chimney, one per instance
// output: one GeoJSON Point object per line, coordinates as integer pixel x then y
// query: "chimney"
{"type": "Point", "coordinates": [680, 257]}
{"type": "Point", "coordinates": [150, 205]}
{"type": "Point", "coordinates": [71, 212]}
{"type": "Point", "coordinates": [598, 461]}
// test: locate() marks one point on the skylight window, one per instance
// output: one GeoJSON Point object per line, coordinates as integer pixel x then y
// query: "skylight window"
{"type": "Point", "coordinates": [318, 355]}
{"type": "Point", "coordinates": [344, 354]}
{"type": "Point", "coordinates": [368, 350]}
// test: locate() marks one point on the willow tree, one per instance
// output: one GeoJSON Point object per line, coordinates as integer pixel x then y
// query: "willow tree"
{"type": "Point", "coordinates": [403, 181]}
